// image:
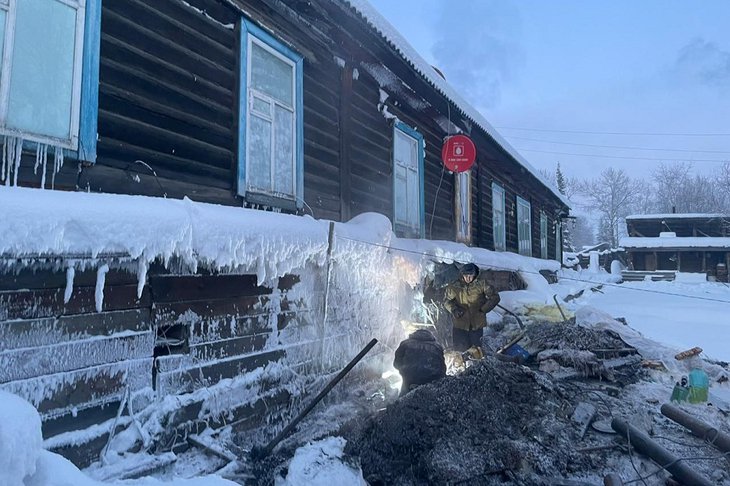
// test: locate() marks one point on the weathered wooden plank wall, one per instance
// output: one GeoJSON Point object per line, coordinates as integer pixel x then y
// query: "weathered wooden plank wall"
{"type": "Point", "coordinates": [72, 362]}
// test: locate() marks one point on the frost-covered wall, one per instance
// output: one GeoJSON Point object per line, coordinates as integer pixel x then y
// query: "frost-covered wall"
{"type": "Point", "coordinates": [202, 315]}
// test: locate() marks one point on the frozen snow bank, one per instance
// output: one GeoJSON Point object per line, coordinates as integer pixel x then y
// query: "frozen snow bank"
{"type": "Point", "coordinates": [81, 224]}
{"type": "Point", "coordinates": [23, 461]}
{"type": "Point", "coordinates": [20, 439]}
{"type": "Point", "coordinates": [321, 463]}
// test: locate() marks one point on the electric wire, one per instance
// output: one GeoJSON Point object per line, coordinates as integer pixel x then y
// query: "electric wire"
{"type": "Point", "coordinates": [627, 157]}
{"type": "Point", "coordinates": [687, 458]}
{"type": "Point", "coordinates": [650, 134]}
{"type": "Point", "coordinates": [623, 147]}
{"type": "Point", "coordinates": [495, 267]}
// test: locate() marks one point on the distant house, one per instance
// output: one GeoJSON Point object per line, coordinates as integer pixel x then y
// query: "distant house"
{"type": "Point", "coordinates": [302, 107]}
{"type": "Point", "coordinates": [692, 243]}
{"type": "Point", "coordinates": [606, 255]}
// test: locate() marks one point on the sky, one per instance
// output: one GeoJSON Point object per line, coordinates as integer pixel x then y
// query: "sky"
{"type": "Point", "coordinates": [642, 77]}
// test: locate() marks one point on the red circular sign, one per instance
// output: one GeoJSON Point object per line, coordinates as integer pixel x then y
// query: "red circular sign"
{"type": "Point", "coordinates": [458, 153]}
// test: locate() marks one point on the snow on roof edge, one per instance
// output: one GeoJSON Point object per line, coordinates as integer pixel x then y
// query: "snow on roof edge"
{"type": "Point", "coordinates": [678, 216]}
{"type": "Point", "coordinates": [386, 30]}
{"type": "Point", "coordinates": [675, 242]}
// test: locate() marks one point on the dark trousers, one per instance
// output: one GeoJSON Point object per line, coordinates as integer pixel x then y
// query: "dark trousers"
{"type": "Point", "coordinates": [464, 340]}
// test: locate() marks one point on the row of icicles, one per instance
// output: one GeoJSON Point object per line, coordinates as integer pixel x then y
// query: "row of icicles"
{"type": "Point", "coordinates": [13, 150]}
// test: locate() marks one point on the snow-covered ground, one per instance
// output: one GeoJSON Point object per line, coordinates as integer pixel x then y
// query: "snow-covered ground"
{"type": "Point", "coordinates": [681, 314]}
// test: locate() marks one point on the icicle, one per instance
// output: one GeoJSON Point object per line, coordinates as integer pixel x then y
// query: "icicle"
{"type": "Point", "coordinates": [37, 157]}
{"type": "Point", "coordinates": [70, 273]}
{"type": "Point", "coordinates": [18, 155]}
{"type": "Point", "coordinates": [2, 172]}
{"type": "Point", "coordinates": [141, 276]}
{"type": "Point", "coordinates": [57, 163]}
{"type": "Point", "coordinates": [10, 156]}
{"type": "Point", "coordinates": [99, 292]}
{"type": "Point", "coordinates": [44, 159]}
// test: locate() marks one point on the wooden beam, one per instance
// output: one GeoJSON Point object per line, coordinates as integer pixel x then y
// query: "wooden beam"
{"type": "Point", "coordinates": [345, 129]}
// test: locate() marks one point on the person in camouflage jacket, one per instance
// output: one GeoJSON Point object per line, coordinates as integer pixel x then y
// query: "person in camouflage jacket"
{"type": "Point", "coordinates": [419, 360]}
{"type": "Point", "coordinates": [469, 300]}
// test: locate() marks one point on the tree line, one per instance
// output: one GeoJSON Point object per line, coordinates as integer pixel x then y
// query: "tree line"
{"type": "Point", "coordinates": [614, 194]}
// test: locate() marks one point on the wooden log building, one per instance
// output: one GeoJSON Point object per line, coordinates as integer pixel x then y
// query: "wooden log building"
{"type": "Point", "coordinates": [691, 242]}
{"type": "Point", "coordinates": [304, 107]}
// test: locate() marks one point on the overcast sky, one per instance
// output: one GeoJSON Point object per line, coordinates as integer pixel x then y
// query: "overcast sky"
{"type": "Point", "coordinates": [649, 66]}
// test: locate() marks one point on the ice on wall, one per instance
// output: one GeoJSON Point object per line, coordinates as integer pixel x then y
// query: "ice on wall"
{"type": "Point", "coordinates": [70, 274]}
{"type": "Point", "coordinates": [133, 373]}
{"type": "Point", "coordinates": [26, 363]}
{"type": "Point", "coordinates": [99, 291]}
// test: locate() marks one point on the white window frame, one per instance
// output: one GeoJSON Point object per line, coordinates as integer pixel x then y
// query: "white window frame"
{"type": "Point", "coordinates": [524, 241]}
{"type": "Point", "coordinates": [543, 235]}
{"type": "Point", "coordinates": [462, 206]}
{"type": "Point", "coordinates": [558, 240]}
{"type": "Point", "coordinates": [499, 217]}
{"type": "Point", "coordinates": [72, 142]}
{"type": "Point", "coordinates": [251, 95]}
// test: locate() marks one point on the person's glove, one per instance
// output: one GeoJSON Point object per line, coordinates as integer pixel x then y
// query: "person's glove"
{"type": "Point", "coordinates": [458, 312]}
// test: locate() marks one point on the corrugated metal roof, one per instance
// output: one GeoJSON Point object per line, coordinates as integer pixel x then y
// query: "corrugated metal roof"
{"type": "Point", "coordinates": [378, 23]}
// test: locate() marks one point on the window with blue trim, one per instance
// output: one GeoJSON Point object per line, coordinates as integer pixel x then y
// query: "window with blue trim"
{"type": "Point", "coordinates": [498, 217]}
{"type": "Point", "coordinates": [524, 227]}
{"type": "Point", "coordinates": [408, 205]}
{"type": "Point", "coordinates": [46, 50]}
{"type": "Point", "coordinates": [270, 155]}
{"type": "Point", "coordinates": [543, 235]}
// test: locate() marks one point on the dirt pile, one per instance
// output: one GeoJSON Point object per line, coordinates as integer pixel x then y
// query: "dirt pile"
{"type": "Point", "coordinates": [496, 422]}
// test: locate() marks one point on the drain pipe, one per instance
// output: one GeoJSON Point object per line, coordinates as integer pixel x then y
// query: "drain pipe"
{"type": "Point", "coordinates": [719, 439]}
{"type": "Point", "coordinates": [645, 445]}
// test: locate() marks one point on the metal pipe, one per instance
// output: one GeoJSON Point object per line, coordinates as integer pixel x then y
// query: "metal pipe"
{"type": "Point", "coordinates": [645, 445]}
{"type": "Point", "coordinates": [519, 321]}
{"type": "Point", "coordinates": [261, 452]}
{"type": "Point", "coordinates": [555, 298]}
{"type": "Point", "coordinates": [719, 439]}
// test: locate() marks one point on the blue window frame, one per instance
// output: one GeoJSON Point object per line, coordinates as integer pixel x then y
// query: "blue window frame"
{"type": "Point", "coordinates": [49, 84]}
{"type": "Point", "coordinates": [408, 205]}
{"type": "Point", "coordinates": [270, 121]}
{"type": "Point", "coordinates": [543, 235]}
{"type": "Point", "coordinates": [524, 227]}
{"type": "Point", "coordinates": [498, 218]}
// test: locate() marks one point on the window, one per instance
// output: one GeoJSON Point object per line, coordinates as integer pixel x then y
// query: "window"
{"type": "Point", "coordinates": [558, 240]}
{"type": "Point", "coordinates": [463, 206]}
{"type": "Point", "coordinates": [498, 217]}
{"type": "Point", "coordinates": [50, 70]}
{"type": "Point", "coordinates": [524, 227]}
{"type": "Point", "coordinates": [408, 205]}
{"type": "Point", "coordinates": [270, 153]}
{"type": "Point", "coordinates": [543, 235]}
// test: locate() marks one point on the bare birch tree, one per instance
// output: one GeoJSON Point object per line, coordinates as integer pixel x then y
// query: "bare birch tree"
{"type": "Point", "coordinates": [612, 195]}
{"type": "Point", "coordinates": [679, 190]}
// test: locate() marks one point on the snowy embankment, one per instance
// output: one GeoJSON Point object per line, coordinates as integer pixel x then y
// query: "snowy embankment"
{"type": "Point", "coordinates": [23, 461]}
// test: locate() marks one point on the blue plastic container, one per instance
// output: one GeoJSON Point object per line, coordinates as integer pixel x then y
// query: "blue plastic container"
{"type": "Point", "coordinates": [517, 351]}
